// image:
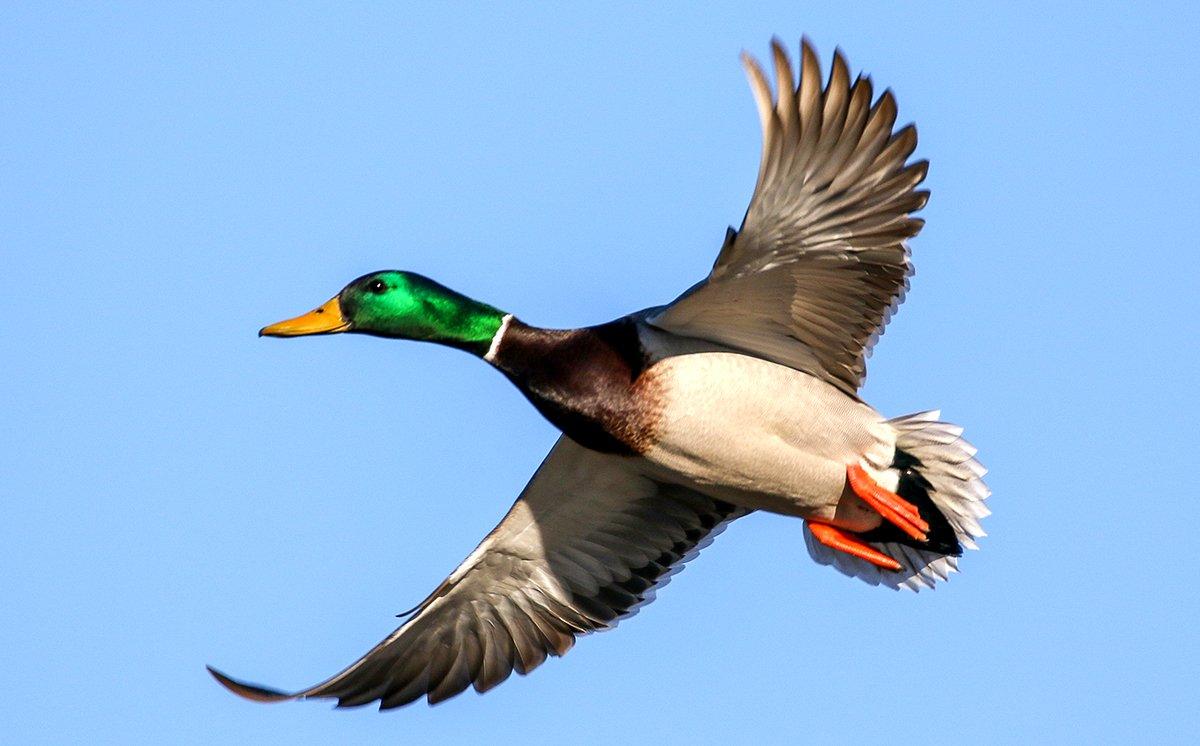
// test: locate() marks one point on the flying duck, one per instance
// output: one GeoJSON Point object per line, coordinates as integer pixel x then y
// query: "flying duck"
{"type": "Point", "coordinates": [739, 395]}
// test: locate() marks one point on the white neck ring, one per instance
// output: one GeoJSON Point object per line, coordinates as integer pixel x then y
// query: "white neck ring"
{"type": "Point", "coordinates": [495, 346]}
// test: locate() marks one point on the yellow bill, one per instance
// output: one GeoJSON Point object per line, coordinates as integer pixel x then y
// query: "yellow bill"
{"type": "Point", "coordinates": [327, 319]}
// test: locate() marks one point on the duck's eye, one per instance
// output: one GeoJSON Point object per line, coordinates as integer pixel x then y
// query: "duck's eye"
{"type": "Point", "coordinates": [379, 287]}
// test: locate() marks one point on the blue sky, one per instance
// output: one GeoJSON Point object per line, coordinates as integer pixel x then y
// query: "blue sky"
{"type": "Point", "coordinates": [178, 492]}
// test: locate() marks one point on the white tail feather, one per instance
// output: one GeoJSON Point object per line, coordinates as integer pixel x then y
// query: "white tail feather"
{"type": "Point", "coordinates": [956, 487]}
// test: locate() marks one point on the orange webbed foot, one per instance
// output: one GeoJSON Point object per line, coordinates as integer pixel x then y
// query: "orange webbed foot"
{"type": "Point", "coordinates": [835, 538]}
{"type": "Point", "coordinates": [888, 504]}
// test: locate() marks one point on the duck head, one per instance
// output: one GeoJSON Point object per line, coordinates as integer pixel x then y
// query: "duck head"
{"type": "Point", "coordinates": [399, 305]}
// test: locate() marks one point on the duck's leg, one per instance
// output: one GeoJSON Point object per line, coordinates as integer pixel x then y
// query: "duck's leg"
{"type": "Point", "coordinates": [835, 538]}
{"type": "Point", "coordinates": [888, 504]}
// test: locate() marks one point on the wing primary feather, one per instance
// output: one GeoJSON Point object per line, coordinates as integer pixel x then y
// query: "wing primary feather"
{"type": "Point", "coordinates": [810, 106]}
{"type": "Point", "coordinates": [247, 690]}
{"type": "Point", "coordinates": [785, 87]}
{"type": "Point", "coordinates": [762, 98]}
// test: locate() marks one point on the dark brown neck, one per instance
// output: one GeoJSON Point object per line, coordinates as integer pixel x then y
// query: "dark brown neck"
{"type": "Point", "coordinates": [585, 381]}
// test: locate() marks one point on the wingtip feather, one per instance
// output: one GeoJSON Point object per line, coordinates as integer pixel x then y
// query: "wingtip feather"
{"type": "Point", "coordinates": [759, 86]}
{"type": "Point", "coordinates": [249, 691]}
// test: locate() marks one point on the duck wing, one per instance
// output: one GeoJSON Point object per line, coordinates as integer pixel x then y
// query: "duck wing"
{"type": "Point", "coordinates": [586, 544]}
{"type": "Point", "coordinates": [820, 261]}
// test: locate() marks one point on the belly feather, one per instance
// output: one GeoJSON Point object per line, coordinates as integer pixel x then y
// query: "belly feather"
{"type": "Point", "coordinates": [762, 435]}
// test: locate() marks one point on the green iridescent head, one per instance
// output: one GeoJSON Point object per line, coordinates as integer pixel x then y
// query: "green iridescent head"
{"type": "Point", "coordinates": [399, 305]}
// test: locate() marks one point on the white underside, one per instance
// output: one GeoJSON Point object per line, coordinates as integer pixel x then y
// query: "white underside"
{"type": "Point", "coordinates": [765, 436]}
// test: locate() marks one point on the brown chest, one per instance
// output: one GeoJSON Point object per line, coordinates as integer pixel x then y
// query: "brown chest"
{"type": "Point", "coordinates": [593, 383]}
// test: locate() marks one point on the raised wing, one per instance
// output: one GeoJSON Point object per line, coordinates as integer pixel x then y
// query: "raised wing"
{"type": "Point", "coordinates": [586, 544]}
{"type": "Point", "coordinates": [820, 261]}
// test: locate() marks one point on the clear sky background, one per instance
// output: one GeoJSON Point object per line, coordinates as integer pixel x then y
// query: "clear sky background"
{"type": "Point", "coordinates": [176, 491]}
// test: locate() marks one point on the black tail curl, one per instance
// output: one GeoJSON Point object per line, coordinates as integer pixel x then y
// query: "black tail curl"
{"type": "Point", "coordinates": [914, 488]}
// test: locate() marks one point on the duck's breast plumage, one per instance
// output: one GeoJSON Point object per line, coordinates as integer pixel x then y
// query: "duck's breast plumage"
{"type": "Point", "coordinates": [592, 383]}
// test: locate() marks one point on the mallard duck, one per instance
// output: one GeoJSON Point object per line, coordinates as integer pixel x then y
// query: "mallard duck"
{"type": "Point", "coordinates": [739, 395]}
